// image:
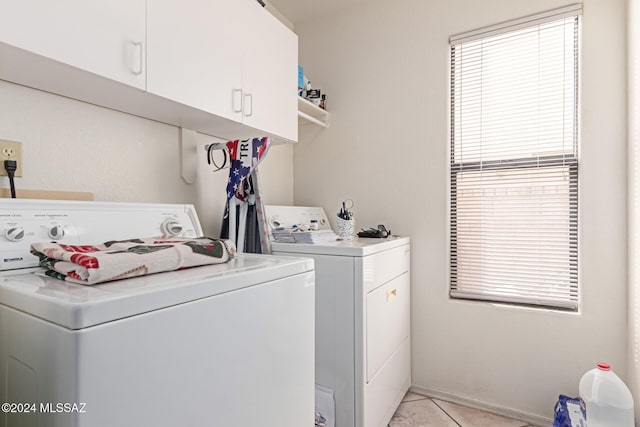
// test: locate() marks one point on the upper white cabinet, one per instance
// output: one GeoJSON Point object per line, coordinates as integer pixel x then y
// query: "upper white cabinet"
{"type": "Point", "coordinates": [106, 38]}
{"type": "Point", "coordinates": [230, 58]}
{"type": "Point", "coordinates": [226, 68]}
{"type": "Point", "coordinates": [194, 54]}
{"type": "Point", "coordinates": [270, 74]}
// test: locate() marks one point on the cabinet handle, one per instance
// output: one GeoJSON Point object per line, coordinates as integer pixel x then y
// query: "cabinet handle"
{"type": "Point", "coordinates": [138, 51]}
{"type": "Point", "coordinates": [237, 100]}
{"type": "Point", "coordinates": [391, 294]}
{"type": "Point", "coordinates": [250, 96]}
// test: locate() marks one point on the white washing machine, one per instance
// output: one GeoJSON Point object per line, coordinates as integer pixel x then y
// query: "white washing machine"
{"type": "Point", "coordinates": [221, 345]}
{"type": "Point", "coordinates": [363, 346]}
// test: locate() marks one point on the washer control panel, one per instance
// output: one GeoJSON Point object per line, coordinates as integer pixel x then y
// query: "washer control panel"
{"type": "Point", "coordinates": [24, 222]}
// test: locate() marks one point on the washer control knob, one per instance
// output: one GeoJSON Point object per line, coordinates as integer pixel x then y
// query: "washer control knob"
{"type": "Point", "coordinates": [56, 232]}
{"type": "Point", "coordinates": [14, 234]}
{"type": "Point", "coordinates": [171, 227]}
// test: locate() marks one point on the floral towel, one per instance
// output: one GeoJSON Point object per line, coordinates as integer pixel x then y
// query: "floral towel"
{"type": "Point", "coordinates": [91, 264]}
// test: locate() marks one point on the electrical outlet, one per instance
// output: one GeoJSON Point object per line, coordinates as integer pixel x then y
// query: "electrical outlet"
{"type": "Point", "coordinates": [10, 150]}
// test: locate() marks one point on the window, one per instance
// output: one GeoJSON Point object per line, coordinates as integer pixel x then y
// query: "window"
{"type": "Point", "coordinates": [514, 161]}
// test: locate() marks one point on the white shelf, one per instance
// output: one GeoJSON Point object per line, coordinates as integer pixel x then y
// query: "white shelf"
{"type": "Point", "coordinates": [310, 113]}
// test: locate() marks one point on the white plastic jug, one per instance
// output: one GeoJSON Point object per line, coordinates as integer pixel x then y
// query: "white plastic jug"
{"type": "Point", "coordinates": [608, 400]}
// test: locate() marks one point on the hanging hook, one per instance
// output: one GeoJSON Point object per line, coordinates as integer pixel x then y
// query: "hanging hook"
{"type": "Point", "coordinates": [211, 160]}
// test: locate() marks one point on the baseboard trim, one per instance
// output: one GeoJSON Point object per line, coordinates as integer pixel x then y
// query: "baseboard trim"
{"type": "Point", "coordinates": [478, 404]}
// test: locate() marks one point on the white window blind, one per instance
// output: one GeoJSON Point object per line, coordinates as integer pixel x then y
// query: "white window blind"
{"type": "Point", "coordinates": [514, 161]}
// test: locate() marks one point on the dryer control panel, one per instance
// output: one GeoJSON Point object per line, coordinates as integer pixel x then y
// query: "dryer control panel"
{"type": "Point", "coordinates": [296, 216]}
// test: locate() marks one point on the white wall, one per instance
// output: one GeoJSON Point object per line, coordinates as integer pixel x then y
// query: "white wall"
{"type": "Point", "coordinates": [73, 146]}
{"type": "Point", "coordinates": [384, 66]}
{"type": "Point", "coordinates": [633, 204]}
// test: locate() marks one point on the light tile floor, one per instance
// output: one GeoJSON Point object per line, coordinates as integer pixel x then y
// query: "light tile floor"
{"type": "Point", "coordinates": [420, 411]}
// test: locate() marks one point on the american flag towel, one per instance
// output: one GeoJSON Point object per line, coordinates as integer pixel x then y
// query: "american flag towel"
{"type": "Point", "coordinates": [245, 157]}
{"type": "Point", "coordinates": [114, 260]}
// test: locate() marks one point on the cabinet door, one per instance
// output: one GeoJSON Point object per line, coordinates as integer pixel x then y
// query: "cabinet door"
{"type": "Point", "coordinates": [270, 78]}
{"type": "Point", "coordinates": [194, 53]}
{"type": "Point", "coordinates": [104, 37]}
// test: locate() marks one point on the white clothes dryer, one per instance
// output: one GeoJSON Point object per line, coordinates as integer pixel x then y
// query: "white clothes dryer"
{"type": "Point", "coordinates": [363, 345]}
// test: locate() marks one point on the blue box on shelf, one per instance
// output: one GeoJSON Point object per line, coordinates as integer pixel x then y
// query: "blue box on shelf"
{"type": "Point", "coordinates": [300, 79]}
